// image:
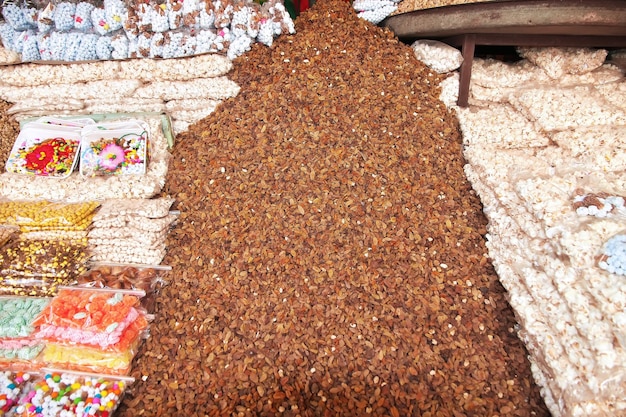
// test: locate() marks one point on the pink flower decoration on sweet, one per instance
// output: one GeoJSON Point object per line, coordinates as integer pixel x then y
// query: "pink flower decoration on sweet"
{"type": "Point", "coordinates": [111, 156]}
{"type": "Point", "coordinates": [79, 19]}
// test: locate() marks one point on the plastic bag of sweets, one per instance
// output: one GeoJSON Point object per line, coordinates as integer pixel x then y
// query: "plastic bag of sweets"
{"type": "Point", "coordinates": [112, 360]}
{"type": "Point", "coordinates": [7, 233]}
{"type": "Point", "coordinates": [95, 317]}
{"type": "Point", "coordinates": [147, 278]}
{"type": "Point", "coordinates": [39, 267]}
{"type": "Point", "coordinates": [12, 385]}
{"type": "Point", "coordinates": [75, 393]}
{"type": "Point", "coordinates": [64, 16]}
{"type": "Point", "coordinates": [18, 17]}
{"type": "Point", "coordinates": [17, 315]}
{"type": "Point", "coordinates": [82, 16]}
{"type": "Point", "coordinates": [47, 215]}
{"type": "Point", "coordinates": [21, 354]}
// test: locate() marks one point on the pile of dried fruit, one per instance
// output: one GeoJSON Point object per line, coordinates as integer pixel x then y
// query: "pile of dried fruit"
{"type": "Point", "coordinates": [329, 257]}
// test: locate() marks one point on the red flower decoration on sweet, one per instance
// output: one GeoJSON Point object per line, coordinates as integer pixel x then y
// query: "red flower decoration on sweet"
{"type": "Point", "coordinates": [79, 19]}
{"type": "Point", "coordinates": [40, 157]}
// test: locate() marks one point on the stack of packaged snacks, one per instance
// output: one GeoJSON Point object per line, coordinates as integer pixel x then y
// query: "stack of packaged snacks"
{"type": "Point", "coordinates": [131, 231]}
{"type": "Point", "coordinates": [92, 330]}
{"type": "Point", "coordinates": [19, 348]}
{"type": "Point", "coordinates": [49, 251]}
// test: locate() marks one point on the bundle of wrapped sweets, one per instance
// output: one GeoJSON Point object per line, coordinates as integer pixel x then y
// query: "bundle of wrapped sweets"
{"type": "Point", "coordinates": [131, 231]}
{"type": "Point", "coordinates": [544, 141]}
{"type": "Point", "coordinates": [117, 29]}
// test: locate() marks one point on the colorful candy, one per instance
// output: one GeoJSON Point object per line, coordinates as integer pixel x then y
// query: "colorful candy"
{"type": "Point", "coordinates": [69, 394]}
{"type": "Point", "coordinates": [11, 386]}
{"type": "Point", "coordinates": [108, 319]}
{"type": "Point", "coordinates": [17, 315]}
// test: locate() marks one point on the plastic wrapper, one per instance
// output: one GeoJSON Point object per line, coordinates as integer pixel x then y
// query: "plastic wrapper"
{"type": "Point", "coordinates": [119, 148]}
{"type": "Point", "coordinates": [21, 353]}
{"type": "Point", "coordinates": [146, 278]}
{"type": "Point", "coordinates": [19, 18]}
{"type": "Point", "coordinates": [7, 233]}
{"type": "Point", "coordinates": [63, 17]}
{"type": "Point", "coordinates": [136, 222]}
{"type": "Point", "coordinates": [108, 319]}
{"type": "Point", "coordinates": [612, 257]}
{"type": "Point", "coordinates": [12, 385]}
{"type": "Point", "coordinates": [601, 204]}
{"type": "Point", "coordinates": [82, 16]}
{"type": "Point", "coordinates": [39, 267]}
{"type": "Point", "coordinates": [88, 359]}
{"type": "Point", "coordinates": [437, 55]}
{"type": "Point", "coordinates": [557, 62]}
{"type": "Point", "coordinates": [50, 151]}
{"type": "Point", "coordinates": [17, 315]}
{"type": "Point", "coordinates": [46, 215]}
{"type": "Point", "coordinates": [151, 208]}
{"type": "Point", "coordinates": [73, 393]}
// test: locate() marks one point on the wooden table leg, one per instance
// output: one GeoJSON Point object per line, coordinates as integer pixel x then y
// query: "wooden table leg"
{"type": "Point", "coordinates": [465, 72]}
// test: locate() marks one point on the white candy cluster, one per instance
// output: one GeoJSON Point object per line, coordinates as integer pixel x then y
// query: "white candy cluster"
{"type": "Point", "coordinates": [78, 188]}
{"type": "Point", "coordinates": [613, 258]}
{"type": "Point", "coordinates": [547, 160]}
{"type": "Point", "coordinates": [375, 11]}
{"type": "Point", "coordinates": [69, 31]}
{"type": "Point", "coordinates": [189, 88]}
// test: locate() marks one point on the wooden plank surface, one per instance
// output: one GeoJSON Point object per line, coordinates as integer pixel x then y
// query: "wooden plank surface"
{"type": "Point", "coordinates": [533, 17]}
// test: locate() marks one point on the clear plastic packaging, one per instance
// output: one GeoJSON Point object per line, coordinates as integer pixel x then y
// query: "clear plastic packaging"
{"type": "Point", "coordinates": [45, 150]}
{"type": "Point", "coordinates": [147, 278]}
{"type": "Point", "coordinates": [612, 257]}
{"type": "Point", "coordinates": [17, 315]}
{"type": "Point", "coordinates": [32, 216]}
{"type": "Point", "coordinates": [104, 318]}
{"type": "Point", "coordinates": [119, 148]}
{"type": "Point", "coordinates": [39, 267]}
{"type": "Point", "coordinates": [76, 393]}
{"type": "Point", "coordinates": [12, 385]}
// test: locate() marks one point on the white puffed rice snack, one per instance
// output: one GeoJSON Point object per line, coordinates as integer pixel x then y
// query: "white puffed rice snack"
{"type": "Point", "coordinates": [437, 55]}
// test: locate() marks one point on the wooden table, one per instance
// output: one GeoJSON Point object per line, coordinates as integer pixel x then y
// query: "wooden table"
{"type": "Point", "coordinates": [576, 23]}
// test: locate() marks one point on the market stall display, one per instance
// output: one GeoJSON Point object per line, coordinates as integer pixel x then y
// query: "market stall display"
{"type": "Point", "coordinates": [553, 194]}
{"type": "Point", "coordinates": [84, 187]}
{"type": "Point", "coordinates": [115, 29]}
{"type": "Point", "coordinates": [333, 261]}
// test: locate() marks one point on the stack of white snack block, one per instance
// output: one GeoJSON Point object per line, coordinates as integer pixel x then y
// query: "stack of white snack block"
{"type": "Point", "coordinates": [78, 188]}
{"type": "Point", "coordinates": [189, 89]}
{"type": "Point", "coordinates": [131, 231]}
{"type": "Point", "coordinates": [545, 144]}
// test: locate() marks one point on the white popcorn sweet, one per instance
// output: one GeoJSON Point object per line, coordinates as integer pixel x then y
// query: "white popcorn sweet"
{"type": "Point", "coordinates": [563, 108]}
{"type": "Point", "coordinates": [484, 126]}
{"type": "Point", "coordinates": [87, 90]}
{"type": "Point", "coordinates": [211, 88]}
{"type": "Point", "coordinates": [557, 62]}
{"type": "Point", "coordinates": [437, 55]}
{"type": "Point", "coordinates": [546, 253]}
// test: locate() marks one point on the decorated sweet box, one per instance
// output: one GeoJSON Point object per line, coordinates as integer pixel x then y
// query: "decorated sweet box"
{"type": "Point", "coordinates": [53, 148]}
{"type": "Point", "coordinates": [47, 147]}
{"type": "Point", "coordinates": [116, 148]}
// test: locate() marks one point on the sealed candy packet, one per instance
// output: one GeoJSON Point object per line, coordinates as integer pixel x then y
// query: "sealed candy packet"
{"type": "Point", "coordinates": [116, 148]}
{"type": "Point", "coordinates": [76, 393]}
{"type": "Point", "coordinates": [109, 319]}
{"type": "Point", "coordinates": [47, 147]}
